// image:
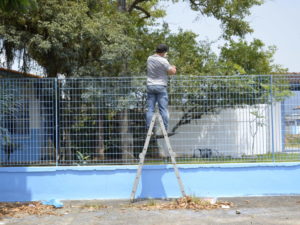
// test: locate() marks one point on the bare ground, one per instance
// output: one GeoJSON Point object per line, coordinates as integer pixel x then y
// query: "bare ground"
{"type": "Point", "coordinates": [283, 210]}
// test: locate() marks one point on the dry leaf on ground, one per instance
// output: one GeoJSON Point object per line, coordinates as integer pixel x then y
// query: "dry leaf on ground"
{"type": "Point", "coordinates": [8, 209]}
{"type": "Point", "coordinates": [186, 202]}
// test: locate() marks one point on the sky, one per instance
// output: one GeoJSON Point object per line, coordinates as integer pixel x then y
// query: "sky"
{"type": "Point", "coordinates": [276, 22]}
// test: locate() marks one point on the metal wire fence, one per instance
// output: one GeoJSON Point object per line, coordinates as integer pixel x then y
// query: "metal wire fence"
{"type": "Point", "coordinates": [90, 121]}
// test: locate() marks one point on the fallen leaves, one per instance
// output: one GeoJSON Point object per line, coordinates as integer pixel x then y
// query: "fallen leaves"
{"type": "Point", "coordinates": [37, 208]}
{"type": "Point", "coordinates": [16, 209]}
{"type": "Point", "coordinates": [94, 207]}
{"type": "Point", "coordinates": [186, 202]}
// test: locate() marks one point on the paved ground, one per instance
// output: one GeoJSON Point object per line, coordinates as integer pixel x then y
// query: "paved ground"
{"type": "Point", "coordinates": [283, 210]}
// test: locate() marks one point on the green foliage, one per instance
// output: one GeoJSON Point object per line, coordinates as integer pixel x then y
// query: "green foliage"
{"type": "Point", "coordinates": [16, 5]}
{"type": "Point", "coordinates": [231, 14]}
{"type": "Point", "coordinates": [96, 38]}
{"type": "Point", "coordinates": [192, 57]}
{"type": "Point", "coordinates": [251, 57]}
{"type": "Point", "coordinates": [68, 37]}
{"type": "Point", "coordinates": [186, 53]}
{"type": "Point", "coordinates": [82, 157]}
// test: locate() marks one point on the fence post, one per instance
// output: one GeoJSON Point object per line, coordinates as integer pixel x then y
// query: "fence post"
{"type": "Point", "coordinates": [56, 119]}
{"type": "Point", "coordinates": [272, 119]}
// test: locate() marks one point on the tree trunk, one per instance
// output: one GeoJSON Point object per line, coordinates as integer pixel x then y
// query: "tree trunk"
{"type": "Point", "coordinates": [126, 136]}
{"type": "Point", "coordinates": [100, 148]}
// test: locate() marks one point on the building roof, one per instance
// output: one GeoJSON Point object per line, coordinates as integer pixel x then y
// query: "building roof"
{"type": "Point", "coordinates": [8, 73]}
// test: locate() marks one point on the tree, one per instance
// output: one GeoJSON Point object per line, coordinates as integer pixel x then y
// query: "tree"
{"type": "Point", "coordinates": [189, 55]}
{"type": "Point", "coordinates": [68, 37]}
{"type": "Point", "coordinates": [231, 13]}
{"type": "Point", "coordinates": [194, 57]}
{"type": "Point", "coordinates": [85, 37]}
{"type": "Point", "coordinates": [251, 57]}
{"type": "Point", "coordinates": [16, 5]}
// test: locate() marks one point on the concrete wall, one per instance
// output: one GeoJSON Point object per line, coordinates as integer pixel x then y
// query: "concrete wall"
{"type": "Point", "coordinates": [115, 182]}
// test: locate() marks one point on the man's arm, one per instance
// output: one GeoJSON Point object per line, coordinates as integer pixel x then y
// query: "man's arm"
{"type": "Point", "coordinates": [172, 70]}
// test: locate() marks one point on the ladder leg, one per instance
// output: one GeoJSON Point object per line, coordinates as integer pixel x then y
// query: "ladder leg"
{"type": "Point", "coordinates": [143, 154]}
{"type": "Point", "coordinates": [172, 155]}
{"type": "Point", "coordinates": [142, 158]}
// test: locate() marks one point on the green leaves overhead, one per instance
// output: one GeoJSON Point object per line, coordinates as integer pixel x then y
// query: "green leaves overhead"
{"type": "Point", "coordinates": [68, 37]}
{"type": "Point", "coordinates": [115, 37]}
{"type": "Point", "coordinates": [16, 5]}
{"type": "Point", "coordinates": [231, 14]}
{"type": "Point", "coordinates": [252, 57]}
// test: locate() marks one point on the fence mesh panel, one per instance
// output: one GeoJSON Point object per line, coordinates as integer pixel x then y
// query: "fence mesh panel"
{"type": "Point", "coordinates": [27, 116]}
{"type": "Point", "coordinates": [91, 121]}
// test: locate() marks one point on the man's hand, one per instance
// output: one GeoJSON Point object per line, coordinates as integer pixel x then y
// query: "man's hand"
{"type": "Point", "coordinates": [172, 71]}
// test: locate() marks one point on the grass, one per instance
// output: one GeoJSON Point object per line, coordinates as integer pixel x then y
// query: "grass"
{"type": "Point", "coordinates": [260, 158]}
{"type": "Point", "coordinates": [277, 157]}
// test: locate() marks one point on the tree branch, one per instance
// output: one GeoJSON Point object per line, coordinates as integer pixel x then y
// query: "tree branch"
{"type": "Point", "coordinates": [187, 117]}
{"type": "Point", "coordinates": [134, 5]}
{"type": "Point", "coordinates": [147, 14]}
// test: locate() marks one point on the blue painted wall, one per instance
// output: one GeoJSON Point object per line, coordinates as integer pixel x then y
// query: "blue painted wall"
{"type": "Point", "coordinates": [28, 147]}
{"type": "Point", "coordinates": [115, 182]}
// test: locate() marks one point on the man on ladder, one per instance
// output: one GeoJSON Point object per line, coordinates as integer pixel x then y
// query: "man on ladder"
{"type": "Point", "coordinates": [158, 69]}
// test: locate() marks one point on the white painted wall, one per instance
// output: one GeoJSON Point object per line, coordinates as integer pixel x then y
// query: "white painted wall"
{"type": "Point", "coordinates": [232, 132]}
{"type": "Point", "coordinates": [34, 109]}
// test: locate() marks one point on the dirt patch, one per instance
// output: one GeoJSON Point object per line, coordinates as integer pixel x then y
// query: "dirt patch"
{"type": "Point", "coordinates": [187, 202]}
{"type": "Point", "coordinates": [22, 209]}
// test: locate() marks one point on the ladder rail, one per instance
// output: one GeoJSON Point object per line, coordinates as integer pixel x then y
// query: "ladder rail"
{"type": "Point", "coordinates": [172, 154]}
{"type": "Point", "coordinates": [142, 158]}
{"type": "Point", "coordinates": [143, 154]}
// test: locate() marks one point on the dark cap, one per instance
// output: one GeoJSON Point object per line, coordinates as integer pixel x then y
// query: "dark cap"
{"type": "Point", "coordinates": [161, 48]}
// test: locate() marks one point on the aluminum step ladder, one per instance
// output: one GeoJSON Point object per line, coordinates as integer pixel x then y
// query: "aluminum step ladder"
{"type": "Point", "coordinates": [143, 154]}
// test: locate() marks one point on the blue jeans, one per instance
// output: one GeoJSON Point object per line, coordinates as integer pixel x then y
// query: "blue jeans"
{"type": "Point", "coordinates": [157, 94]}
